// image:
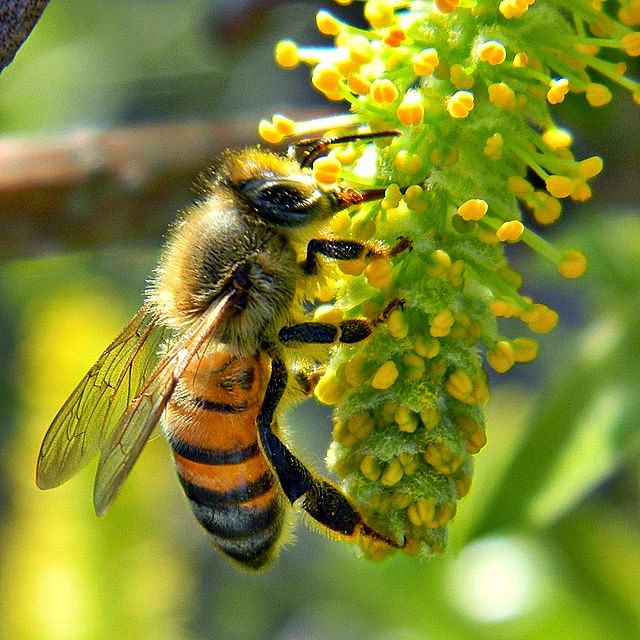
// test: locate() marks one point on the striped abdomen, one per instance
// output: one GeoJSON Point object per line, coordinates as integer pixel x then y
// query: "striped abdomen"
{"type": "Point", "coordinates": [211, 426]}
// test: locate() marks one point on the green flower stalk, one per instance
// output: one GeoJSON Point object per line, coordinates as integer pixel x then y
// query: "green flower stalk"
{"type": "Point", "coordinates": [469, 84]}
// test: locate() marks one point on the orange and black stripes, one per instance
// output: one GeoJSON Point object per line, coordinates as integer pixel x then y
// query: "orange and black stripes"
{"type": "Point", "coordinates": [211, 427]}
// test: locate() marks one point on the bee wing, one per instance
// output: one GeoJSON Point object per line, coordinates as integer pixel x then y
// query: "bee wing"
{"type": "Point", "coordinates": [126, 441]}
{"type": "Point", "coordinates": [93, 408]}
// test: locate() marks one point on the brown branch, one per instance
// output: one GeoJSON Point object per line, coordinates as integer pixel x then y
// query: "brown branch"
{"type": "Point", "coordinates": [17, 19]}
{"type": "Point", "coordinates": [95, 188]}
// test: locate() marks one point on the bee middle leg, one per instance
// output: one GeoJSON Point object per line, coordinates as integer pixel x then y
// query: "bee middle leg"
{"type": "Point", "coordinates": [321, 499]}
{"type": "Point", "coordinates": [342, 249]}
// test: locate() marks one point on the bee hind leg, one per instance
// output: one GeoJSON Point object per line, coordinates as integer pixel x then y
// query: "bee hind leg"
{"type": "Point", "coordinates": [322, 500]}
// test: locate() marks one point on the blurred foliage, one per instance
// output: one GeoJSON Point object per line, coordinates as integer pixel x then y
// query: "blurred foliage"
{"type": "Point", "coordinates": [547, 545]}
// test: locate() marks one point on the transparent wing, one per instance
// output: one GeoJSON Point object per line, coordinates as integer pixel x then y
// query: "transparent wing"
{"type": "Point", "coordinates": [126, 441]}
{"type": "Point", "coordinates": [85, 420]}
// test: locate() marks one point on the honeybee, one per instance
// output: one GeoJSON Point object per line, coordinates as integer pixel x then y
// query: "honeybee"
{"type": "Point", "coordinates": [204, 353]}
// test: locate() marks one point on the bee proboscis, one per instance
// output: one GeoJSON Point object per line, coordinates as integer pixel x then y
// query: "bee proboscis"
{"type": "Point", "coordinates": [204, 353]}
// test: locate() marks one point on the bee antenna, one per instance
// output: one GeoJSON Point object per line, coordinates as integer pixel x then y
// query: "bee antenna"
{"type": "Point", "coordinates": [306, 151]}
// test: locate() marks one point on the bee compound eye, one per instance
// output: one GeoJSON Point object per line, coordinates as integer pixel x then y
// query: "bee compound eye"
{"type": "Point", "coordinates": [282, 201]}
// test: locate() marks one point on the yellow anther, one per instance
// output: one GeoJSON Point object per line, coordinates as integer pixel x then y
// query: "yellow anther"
{"type": "Point", "coordinates": [519, 187]}
{"type": "Point", "coordinates": [460, 77]}
{"type": "Point", "coordinates": [445, 512]}
{"type": "Point", "coordinates": [370, 468]}
{"type": "Point", "coordinates": [492, 52]}
{"type": "Point", "coordinates": [352, 267]}
{"type": "Point", "coordinates": [546, 208]}
{"type": "Point", "coordinates": [360, 49]}
{"type": "Point", "coordinates": [524, 349]}
{"type": "Point", "coordinates": [631, 42]}
{"type": "Point", "coordinates": [557, 138]}
{"type": "Point", "coordinates": [287, 54]}
{"type": "Point", "coordinates": [558, 89]}
{"type": "Point", "coordinates": [415, 366]}
{"type": "Point", "coordinates": [572, 264]}
{"type": "Point", "coordinates": [597, 94]}
{"type": "Point", "coordinates": [590, 167]}
{"type": "Point", "coordinates": [441, 324]}
{"type": "Point", "coordinates": [268, 132]}
{"type": "Point", "coordinates": [325, 77]}
{"type": "Point", "coordinates": [493, 147]}
{"type": "Point", "coordinates": [354, 372]}
{"type": "Point", "coordinates": [430, 417]}
{"type": "Point", "coordinates": [328, 24]}
{"type": "Point", "coordinates": [379, 13]}
{"type": "Point", "coordinates": [473, 433]}
{"type": "Point", "coordinates": [385, 376]}
{"type": "Point", "coordinates": [460, 104]}
{"type": "Point", "coordinates": [410, 111]}
{"type": "Point", "coordinates": [455, 273]}
{"type": "Point", "coordinates": [447, 6]}
{"type": "Point", "coordinates": [540, 318]}
{"type": "Point", "coordinates": [328, 313]}
{"type": "Point", "coordinates": [502, 95]}
{"type": "Point", "coordinates": [383, 91]}
{"type": "Point", "coordinates": [503, 308]}
{"type": "Point", "coordinates": [459, 385]}
{"type": "Point", "coordinates": [402, 414]}
{"type": "Point", "coordinates": [397, 324]}
{"type": "Point", "coordinates": [510, 231]}
{"type": "Point", "coordinates": [441, 458]}
{"type": "Point", "coordinates": [426, 347]}
{"type": "Point", "coordinates": [521, 60]}
{"type": "Point", "coordinates": [395, 37]}
{"type": "Point", "coordinates": [409, 163]}
{"type": "Point", "coordinates": [285, 126]}
{"type": "Point", "coordinates": [513, 8]}
{"type": "Point", "coordinates": [501, 357]}
{"type": "Point", "coordinates": [425, 62]}
{"type": "Point", "coordinates": [426, 508]}
{"type": "Point", "coordinates": [441, 263]}
{"type": "Point", "coordinates": [329, 389]}
{"type": "Point", "coordinates": [358, 84]}
{"type": "Point", "coordinates": [392, 474]}
{"type": "Point", "coordinates": [326, 170]}
{"type": "Point", "coordinates": [463, 485]}
{"type": "Point", "coordinates": [560, 186]}
{"type": "Point", "coordinates": [379, 273]}
{"type": "Point", "coordinates": [341, 434]}
{"type": "Point", "coordinates": [473, 209]}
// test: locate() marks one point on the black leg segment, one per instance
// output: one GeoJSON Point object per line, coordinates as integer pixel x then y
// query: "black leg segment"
{"type": "Point", "coordinates": [323, 501]}
{"type": "Point", "coordinates": [347, 332]}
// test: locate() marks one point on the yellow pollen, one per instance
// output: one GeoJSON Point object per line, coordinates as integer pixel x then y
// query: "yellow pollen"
{"type": "Point", "coordinates": [502, 308]}
{"type": "Point", "coordinates": [558, 89]}
{"type": "Point", "coordinates": [519, 187]}
{"type": "Point", "coordinates": [325, 78]}
{"type": "Point", "coordinates": [383, 91]}
{"type": "Point", "coordinates": [358, 84]}
{"type": "Point", "coordinates": [572, 264]}
{"type": "Point", "coordinates": [546, 208]}
{"type": "Point", "coordinates": [631, 42]}
{"type": "Point", "coordinates": [379, 13]}
{"type": "Point", "coordinates": [329, 390]}
{"type": "Point", "coordinates": [430, 417]}
{"type": "Point", "coordinates": [268, 132]}
{"type": "Point", "coordinates": [557, 138]}
{"type": "Point", "coordinates": [326, 170]}
{"type": "Point", "coordinates": [460, 104]}
{"type": "Point", "coordinates": [597, 94]}
{"type": "Point", "coordinates": [327, 24]}
{"type": "Point", "coordinates": [590, 167]}
{"type": "Point", "coordinates": [370, 468]}
{"type": "Point", "coordinates": [411, 110]}
{"type": "Point", "coordinates": [513, 8]}
{"type": "Point", "coordinates": [447, 6]}
{"type": "Point", "coordinates": [501, 357]}
{"type": "Point", "coordinates": [502, 95]}
{"type": "Point", "coordinates": [492, 52]}
{"type": "Point", "coordinates": [385, 376]}
{"type": "Point", "coordinates": [397, 324]}
{"type": "Point", "coordinates": [493, 147]}
{"type": "Point", "coordinates": [425, 62]}
{"type": "Point", "coordinates": [473, 209]}
{"type": "Point", "coordinates": [540, 318]}
{"type": "Point", "coordinates": [510, 231]}
{"type": "Point", "coordinates": [441, 324]}
{"type": "Point", "coordinates": [521, 60]}
{"type": "Point", "coordinates": [285, 126]}
{"type": "Point", "coordinates": [560, 186]}
{"type": "Point", "coordinates": [392, 474]}
{"type": "Point", "coordinates": [426, 347]}
{"type": "Point", "coordinates": [524, 349]}
{"type": "Point", "coordinates": [287, 54]}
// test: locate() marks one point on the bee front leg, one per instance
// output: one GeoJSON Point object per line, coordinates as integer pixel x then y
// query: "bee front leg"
{"type": "Point", "coordinates": [322, 500]}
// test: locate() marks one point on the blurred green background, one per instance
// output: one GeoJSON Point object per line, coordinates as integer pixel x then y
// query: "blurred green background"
{"type": "Point", "coordinates": [547, 544]}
